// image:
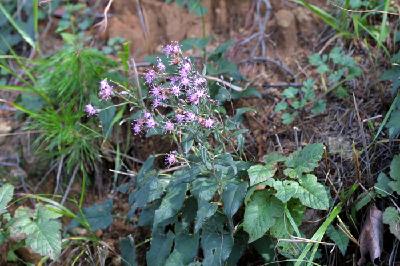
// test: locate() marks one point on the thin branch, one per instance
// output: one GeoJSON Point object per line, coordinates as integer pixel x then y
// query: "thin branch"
{"type": "Point", "coordinates": [71, 181]}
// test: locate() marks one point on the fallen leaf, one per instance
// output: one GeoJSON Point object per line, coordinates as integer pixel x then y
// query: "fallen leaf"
{"type": "Point", "coordinates": [371, 237]}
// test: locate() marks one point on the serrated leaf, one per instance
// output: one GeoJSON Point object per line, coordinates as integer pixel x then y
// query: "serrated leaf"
{"type": "Point", "coordinates": [43, 234]}
{"type": "Point", "coordinates": [6, 194]}
{"type": "Point", "coordinates": [391, 217]}
{"type": "Point", "coordinates": [232, 197]}
{"type": "Point", "coordinates": [171, 203]}
{"type": "Point", "coordinates": [160, 248]}
{"type": "Point", "coordinates": [340, 238]}
{"type": "Point", "coordinates": [204, 188]}
{"type": "Point", "coordinates": [382, 185]}
{"type": "Point", "coordinates": [185, 250]}
{"type": "Point", "coordinates": [305, 160]}
{"type": "Point", "coordinates": [128, 251]}
{"type": "Point", "coordinates": [288, 118]}
{"type": "Point", "coordinates": [285, 189]}
{"type": "Point", "coordinates": [205, 211]}
{"type": "Point", "coordinates": [395, 174]}
{"type": "Point", "coordinates": [260, 214]}
{"type": "Point", "coordinates": [272, 158]}
{"type": "Point", "coordinates": [290, 92]}
{"type": "Point", "coordinates": [319, 107]}
{"type": "Point", "coordinates": [281, 106]}
{"type": "Point", "coordinates": [216, 243]}
{"type": "Point", "coordinates": [312, 194]}
{"type": "Point", "coordinates": [99, 215]}
{"type": "Point", "coordinates": [260, 173]}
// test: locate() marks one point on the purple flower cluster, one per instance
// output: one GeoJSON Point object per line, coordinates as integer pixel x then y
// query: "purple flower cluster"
{"type": "Point", "coordinates": [185, 91]}
{"type": "Point", "coordinates": [90, 110]}
{"type": "Point", "coordinates": [171, 158]}
{"type": "Point", "coordinates": [146, 122]}
{"type": "Point", "coordinates": [106, 90]}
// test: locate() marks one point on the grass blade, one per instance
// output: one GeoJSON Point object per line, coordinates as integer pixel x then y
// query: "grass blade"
{"type": "Point", "coordinates": [24, 35]}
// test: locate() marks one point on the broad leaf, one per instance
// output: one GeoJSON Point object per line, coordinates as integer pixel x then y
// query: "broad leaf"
{"type": "Point", "coordinates": [42, 233]}
{"type": "Point", "coordinates": [232, 197]}
{"type": "Point", "coordinates": [6, 194]}
{"type": "Point", "coordinates": [285, 189]}
{"type": "Point", "coordinates": [205, 211]}
{"type": "Point", "coordinates": [312, 194]}
{"type": "Point", "coordinates": [216, 243]}
{"type": "Point", "coordinates": [185, 250]}
{"type": "Point", "coordinates": [160, 248]}
{"type": "Point", "coordinates": [340, 238]}
{"type": "Point", "coordinates": [260, 173]}
{"type": "Point", "coordinates": [204, 188]}
{"type": "Point", "coordinates": [382, 185]}
{"type": "Point", "coordinates": [128, 251]}
{"type": "Point", "coordinates": [305, 160]}
{"type": "Point", "coordinates": [171, 203]}
{"type": "Point", "coordinates": [395, 174]}
{"type": "Point", "coordinates": [99, 215]}
{"type": "Point", "coordinates": [260, 214]}
{"type": "Point", "coordinates": [391, 216]}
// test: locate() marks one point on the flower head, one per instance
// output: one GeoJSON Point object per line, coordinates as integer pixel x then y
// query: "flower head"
{"type": "Point", "coordinates": [150, 123]}
{"type": "Point", "coordinates": [172, 49]}
{"type": "Point", "coordinates": [136, 128]}
{"type": "Point", "coordinates": [208, 123]}
{"type": "Point", "coordinates": [190, 117]}
{"type": "Point", "coordinates": [106, 91]}
{"type": "Point", "coordinates": [160, 65]}
{"type": "Point", "coordinates": [169, 126]}
{"type": "Point", "coordinates": [180, 118]}
{"type": "Point", "coordinates": [90, 110]}
{"type": "Point", "coordinates": [171, 158]}
{"type": "Point", "coordinates": [175, 90]}
{"type": "Point", "coordinates": [185, 81]}
{"type": "Point", "coordinates": [150, 76]}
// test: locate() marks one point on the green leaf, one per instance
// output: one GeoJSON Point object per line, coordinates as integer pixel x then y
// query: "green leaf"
{"type": "Point", "coordinates": [340, 238]}
{"type": "Point", "coordinates": [305, 160]}
{"type": "Point", "coordinates": [42, 233]}
{"type": "Point", "coordinates": [185, 250]}
{"type": "Point", "coordinates": [312, 194]}
{"type": "Point", "coordinates": [285, 189]}
{"type": "Point", "coordinates": [171, 204]}
{"type": "Point", "coordinates": [160, 248]}
{"type": "Point", "coordinates": [204, 212]}
{"type": "Point", "coordinates": [290, 92]}
{"type": "Point", "coordinates": [99, 215]}
{"type": "Point", "coordinates": [391, 217]}
{"type": "Point", "coordinates": [265, 246]}
{"type": "Point", "coordinates": [382, 185]}
{"type": "Point", "coordinates": [204, 188]}
{"type": "Point", "coordinates": [395, 174]}
{"type": "Point", "coordinates": [128, 251]}
{"type": "Point", "coordinates": [288, 118]}
{"type": "Point", "coordinates": [260, 214]}
{"type": "Point", "coordinates": [260, 173]}
{"type": "Point", "coordinates": [319, 107]}
{"type": "Point", "coordinates": [6, 194]}
{"type": "Point", "coordinates": [272, 158]}
{"type": "Point", "coordinates": [232, 198]}
{"type": "Point", "coordinates": [281, 106]}
{"type": "Point", "coordinates": [216, 243]}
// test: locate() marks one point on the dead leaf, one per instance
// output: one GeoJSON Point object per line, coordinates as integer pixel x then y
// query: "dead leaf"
{"type": "Point", "coordinates": [371, 237]}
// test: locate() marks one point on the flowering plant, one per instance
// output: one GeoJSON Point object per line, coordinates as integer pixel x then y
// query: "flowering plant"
{"type": "Point", "coordinates": [177, 103]}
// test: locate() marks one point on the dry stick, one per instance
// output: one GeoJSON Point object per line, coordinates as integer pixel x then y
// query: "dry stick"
{"type": "Point", "coordinates": [71, 181]}
{"type": "Point", "coordinates": [364, 141]}
{"type": "Point", "coordinates": [60, 164]}
{"type": "Point", "coordinates": [269, 60]}
{"type": "Point", "coordinates": [228, 84]}
{"type": "Point", "coordinates": [142, 20]}
{"type": "Point", "coordinates": [137, 83]}
{"type": "Point", "coordinates": [104, 23]}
